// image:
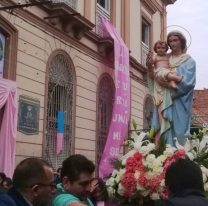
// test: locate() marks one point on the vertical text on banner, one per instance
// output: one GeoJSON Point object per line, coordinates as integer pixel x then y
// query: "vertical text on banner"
{"type": "Point", "coordinates": [121, 108]}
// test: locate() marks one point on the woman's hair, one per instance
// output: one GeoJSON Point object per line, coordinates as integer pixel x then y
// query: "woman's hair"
{"type": "Point", "coordinates": [181, 38]}
{"type": "Point", "coordinates": [101, 184]}
{"type": "Point", "coordinates": [160, 42]}
{"type": "Point", "coordinates": [103, 189]}
{"type": "Point", "coordinates": [59, 169]}
{"type": "Point", "coordinates": [9, 182]}
{"type": "Point", "coordinates": [3, 176]}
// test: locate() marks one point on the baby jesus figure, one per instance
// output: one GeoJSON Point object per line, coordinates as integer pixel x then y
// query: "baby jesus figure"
{"type": "Point", "coordinates": [161, 63]}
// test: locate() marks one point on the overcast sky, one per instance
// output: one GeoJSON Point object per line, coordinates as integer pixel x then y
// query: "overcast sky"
{"type": "Point", "coordinates": [193, 16]}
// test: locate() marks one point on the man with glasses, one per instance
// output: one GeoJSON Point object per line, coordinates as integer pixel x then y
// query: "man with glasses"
{"type": "Point", "coordinates": [76, 176]}
{"type": "Point", "coordinates": [33, 184]}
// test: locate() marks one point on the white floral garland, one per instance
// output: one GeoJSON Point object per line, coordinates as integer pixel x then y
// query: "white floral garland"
{"type": "Point", "coordinates": [142, 173]}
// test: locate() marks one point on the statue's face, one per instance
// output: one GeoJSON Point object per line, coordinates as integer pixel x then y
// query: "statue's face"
{"type": "Point", "coordinates": [161, 49]}
{"type": "Point", "coordinates": [175, 43]}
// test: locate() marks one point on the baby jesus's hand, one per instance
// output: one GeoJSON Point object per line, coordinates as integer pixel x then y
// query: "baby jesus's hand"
{"type": "Point", "coordinates": [149, 60]}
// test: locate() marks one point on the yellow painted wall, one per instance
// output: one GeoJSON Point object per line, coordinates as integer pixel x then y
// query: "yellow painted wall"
{"type": "Point", "coordinates": [138, 93]}
{"type": "Point", "coordinates": [93, 12]}
{"type": "Point", "coordinates": [80, 7]}
{"type": "Point", "coordinates": [146, 12]}
{"type": "Point", "coordinates": [34, 49]}
{"type": "Point", "coordinates": [156, 27]}
{"type": "Point", "coordinates": [118, 15]}
{"type": "Point", "coordinates": [159, 2]}
{"type": "Point", "coordinates": [135, 30]}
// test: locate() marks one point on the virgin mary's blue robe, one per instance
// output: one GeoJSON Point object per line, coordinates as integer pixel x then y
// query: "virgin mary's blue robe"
{"type": "Point", "coordinates": [177, 114]}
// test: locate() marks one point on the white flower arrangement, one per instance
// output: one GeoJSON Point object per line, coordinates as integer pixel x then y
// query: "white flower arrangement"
{"type": "Point", "coordinates": [140, 173]}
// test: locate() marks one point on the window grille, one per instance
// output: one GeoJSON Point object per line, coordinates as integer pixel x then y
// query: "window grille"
{"type": "Point", "coordinates": [60, 98]}
{"type": "Point", "coordinates": [102, 11]}
{"type": "Point", "coordinates": [105, 4]}
{"type": "Point", "coordinates": [145, 42]}
{"type": "Point", "coordinates": [148, 112]}
{"type": "Point", "coordinates": [145, 50]}
{"type": "Point", "coordinates": [106, 91]}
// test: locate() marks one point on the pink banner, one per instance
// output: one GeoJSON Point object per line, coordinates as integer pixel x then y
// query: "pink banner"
{"type": "Point", "coordinates": [8, 131]}
{"type": "Point", "coordinates": [121, 109]}
{"type": "Point", "coordinates": [59, 142]}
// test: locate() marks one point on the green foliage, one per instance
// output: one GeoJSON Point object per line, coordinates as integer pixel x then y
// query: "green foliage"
{"type": "Point", "coordinates": [195, 135]}
{"type": "Point", "coordinates": [134, 124]}
{"type": "Point", "coordinates": [160, 148]}
{"type": "Point", "coordinates": [116, 163]}
{"type": "Point", "coordinates": [202, 157]}
{"type": "Point", "coordinates": [200, 135]}
{"type": "Point", "coordinates": [150, 139]}
{"type": "Point", "coordinates": [152, 132]}
{"type": "Point", "coordinates": [204, 131]}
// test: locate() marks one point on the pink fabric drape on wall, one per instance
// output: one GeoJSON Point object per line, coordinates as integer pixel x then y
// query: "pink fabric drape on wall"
{"type": "Point", "coordinates": [8, 98]}
{"type": "Point", "coordinates": [121, 108]}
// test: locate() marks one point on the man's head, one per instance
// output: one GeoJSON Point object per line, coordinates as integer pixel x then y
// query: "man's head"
{"type": "Point", "coordinates": [77, 175]}
{"type": "Point", "coordinates": [59, 171]}
{"type": "Point", "coordinates": [33, 178]}
{"type": "Point", "coordinates": [176, 41]}
{"type": "Point", "coordinates": [2, 177]}
{"type": "Point", "coordinates": [7, 183]}
{"type": "Point", "coordinates": [161, 47]}
{"type": "Point", "coordinates": [184, 174]}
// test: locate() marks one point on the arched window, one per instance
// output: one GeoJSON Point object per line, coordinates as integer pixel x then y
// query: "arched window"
{"type": "Point", "coordinates": [9, 38]}
{"type": "Point", "coordinates": [148, 111]}
{"type": "Point", "coordinates": [60, 98]}
{"type": "Point", "coordinates": [8, 52]}
{"type": "Point", "coordinates": [106, 91]}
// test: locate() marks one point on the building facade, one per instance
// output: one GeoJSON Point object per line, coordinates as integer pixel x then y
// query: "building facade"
{"type": "Point", "coordinates": [60, 56]}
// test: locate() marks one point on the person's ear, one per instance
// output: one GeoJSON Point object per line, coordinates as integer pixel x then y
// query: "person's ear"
{"type": "Point", "coordinates": [34, 190]}
{"type": "Point", "coordinates": [66, 183]}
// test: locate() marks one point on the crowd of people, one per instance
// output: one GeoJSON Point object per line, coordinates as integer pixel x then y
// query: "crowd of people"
{"type": "Point", "coordinates": [35, 184]}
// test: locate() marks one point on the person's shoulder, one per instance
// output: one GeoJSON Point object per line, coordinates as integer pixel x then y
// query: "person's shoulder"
{"type": "Point", "coordinates": [5, 197]}
{"type": "Point", "coordinates": [3, 190]}
{"type": "Point", "coordinates": [191, 200]}
{"type": "Point", "coordinates": [191, 60]}
{"type": "Point", "coordinates": [6, 200]}
{"type": "Point", "coordinates": [64, 199]}
{"type": "Point", "coordinates": [166, 203]}
{"type": "Point", "coordinates": [90, 202]}
{"type": "Point", "coordinates": [190, 63]}
{"type": "Point", "coordinates": [67, 196]}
